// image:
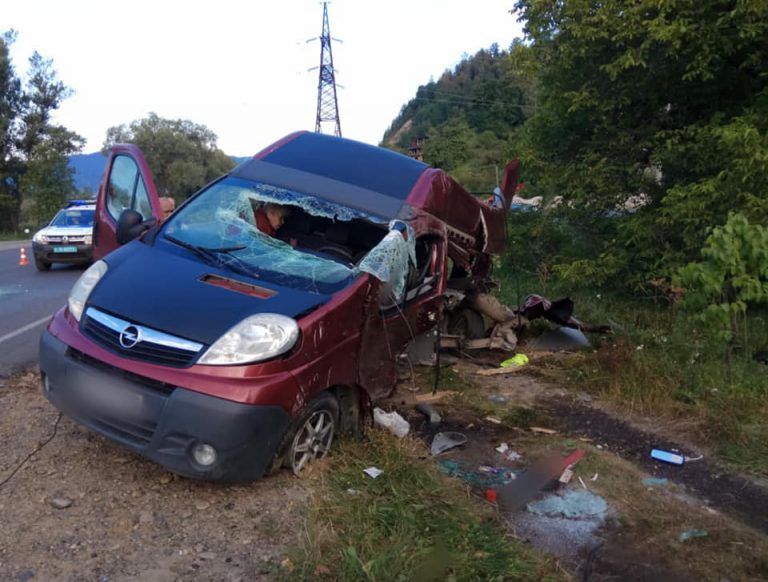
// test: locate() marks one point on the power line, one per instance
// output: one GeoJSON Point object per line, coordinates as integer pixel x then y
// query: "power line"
{"type": "Point", "coordinates": [462, 100]}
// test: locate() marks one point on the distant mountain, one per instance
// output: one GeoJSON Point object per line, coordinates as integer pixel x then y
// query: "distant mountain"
{"type": "Point", "coordinates": [89, 169]}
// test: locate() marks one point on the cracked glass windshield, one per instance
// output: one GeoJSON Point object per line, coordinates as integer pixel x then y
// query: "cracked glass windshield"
{"type": "Point", "coordinates": [222, 225]}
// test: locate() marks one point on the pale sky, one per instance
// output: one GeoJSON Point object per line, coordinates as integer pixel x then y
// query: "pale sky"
{"type": "Point", "coordinates": [240, 68]}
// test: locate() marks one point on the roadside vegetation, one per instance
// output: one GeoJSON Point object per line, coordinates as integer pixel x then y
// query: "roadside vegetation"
{"type": "Point", "coordinates": [410, 523]}
{"type": "Point", "coordinates": [643, 129]}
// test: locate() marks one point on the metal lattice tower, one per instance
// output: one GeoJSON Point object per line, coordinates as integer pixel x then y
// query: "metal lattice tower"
{"type": "Point", "coordinates": [327, 104]}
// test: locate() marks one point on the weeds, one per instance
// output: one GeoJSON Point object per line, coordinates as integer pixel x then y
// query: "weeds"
{"type": "Point", "coordinates": [660, 362]}
{"type": "Point", "coordinates": [411, 523]}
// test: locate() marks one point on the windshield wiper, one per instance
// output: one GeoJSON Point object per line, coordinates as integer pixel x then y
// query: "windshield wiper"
{"type": "Point", "coordinates": [212, 256]}
{"type": "Point", "coordinates": [236, 264]}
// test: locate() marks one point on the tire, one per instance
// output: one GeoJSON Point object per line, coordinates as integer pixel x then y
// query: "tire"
{"type": "Point", "coordinates": [42, 265]}
{"type": "Point", "coordinates": [311, 435]}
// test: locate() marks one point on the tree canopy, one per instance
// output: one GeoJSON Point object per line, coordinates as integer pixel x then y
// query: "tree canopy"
{"type": "Point", "coordinates": [182, 155]}
{"type": "Point", "coordinates": [33, 150]}
{"type": "Point", "coordinates": [660, 102]}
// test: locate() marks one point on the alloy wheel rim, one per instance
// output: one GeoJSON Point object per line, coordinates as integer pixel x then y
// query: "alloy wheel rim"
{"type": "Point", "coordinates": [313, 440]}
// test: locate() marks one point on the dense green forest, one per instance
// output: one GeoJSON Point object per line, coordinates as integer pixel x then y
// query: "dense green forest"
{"type": "Point", "coordinates": [646, 123]}
{"type": "Point", "coordinates": [644, 127]}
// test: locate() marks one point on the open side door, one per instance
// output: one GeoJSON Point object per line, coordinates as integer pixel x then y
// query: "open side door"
{"type": "Point", "coordinates": [390, 327]}
{"type": "Point", "coordinates": [127, 184]}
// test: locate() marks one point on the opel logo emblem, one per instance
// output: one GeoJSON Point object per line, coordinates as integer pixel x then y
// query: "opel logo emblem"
{"type": "Point", "coordinates": [65, 240]}
{"type": "Point", "coordinates": [130, 336]}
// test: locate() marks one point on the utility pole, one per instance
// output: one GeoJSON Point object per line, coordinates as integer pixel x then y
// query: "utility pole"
{"type": "Point", "coordinates": [327, 104]}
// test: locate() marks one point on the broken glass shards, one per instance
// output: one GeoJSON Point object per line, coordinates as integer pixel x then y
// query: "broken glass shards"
{"type": "Point", "coordinates": [267, 193]}
{"type": "Point", "coordinates": [390, 260]}
{"type": "Point", "coordinates": [221, 222]}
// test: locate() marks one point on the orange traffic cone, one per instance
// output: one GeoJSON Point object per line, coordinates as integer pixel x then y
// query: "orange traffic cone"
{"type": "Point", "coordinates": [23, 260]}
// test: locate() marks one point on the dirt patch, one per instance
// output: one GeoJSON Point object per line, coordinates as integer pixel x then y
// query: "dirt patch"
{"type": "Point", "coordinates": [640, 536]}
{"type": "Point", "coordinates": [733, 494]}
{"type": "Point", "coordinates": [84, 508]}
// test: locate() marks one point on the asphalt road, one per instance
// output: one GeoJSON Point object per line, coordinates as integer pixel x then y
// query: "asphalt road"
{"type": "Point", "coordinates": [27, 300]}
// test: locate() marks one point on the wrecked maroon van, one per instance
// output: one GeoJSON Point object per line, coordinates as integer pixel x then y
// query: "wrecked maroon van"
{"type": "Point", "coordinates": [219, 351]}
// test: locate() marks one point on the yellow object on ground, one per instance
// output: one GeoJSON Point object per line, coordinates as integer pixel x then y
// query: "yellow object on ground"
{"type": "Point", "coordinates": [517, 361]}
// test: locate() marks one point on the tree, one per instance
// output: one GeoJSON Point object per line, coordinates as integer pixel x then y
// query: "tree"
{"type": "Point", "coordinates": [732, 274]}
{"type": "Point", "coordinates": [33, 150]}
{"type": "Point", "coordinates": [645, 99]}
{"type": "Point", "coordinates": [182, 155]}
{"type": "Point", "coordinates": [48, 180]}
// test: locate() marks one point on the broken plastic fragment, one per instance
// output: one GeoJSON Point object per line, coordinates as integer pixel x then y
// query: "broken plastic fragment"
{"type": "Point", "coordinates": [508, 453]}
{"type": "Point", "coordinates": [667, 457]}
{"type": "Point", "coordinates": [429, 411]}
{"type": "Point", "coordinates": [372, 472]}
{"type": "Point", "coordinates": [566, 477]}
{"type": "Point", "coordinates": [392, 421]}
{"type": "Point", "coordinates": [691, 533]}
{"type": "Point", "coordinates": [540, 430]}
{"type": "Point", "coordinates": [445, 441]}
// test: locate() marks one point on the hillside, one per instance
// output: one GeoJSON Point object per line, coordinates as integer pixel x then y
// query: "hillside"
{"type": "Point", "coordinates": [467, 117]}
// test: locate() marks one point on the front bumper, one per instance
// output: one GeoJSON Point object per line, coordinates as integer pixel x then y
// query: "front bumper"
{"type": "Point", "coordinates": [160, 421]}
{"type": "Point", "coordinates": [73, 253]}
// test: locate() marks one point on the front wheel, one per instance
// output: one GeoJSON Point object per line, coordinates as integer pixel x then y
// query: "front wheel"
{"type": "Point", "coordinates": [314, 432]}
{"type": "Point", "coordinates": [42, 265]}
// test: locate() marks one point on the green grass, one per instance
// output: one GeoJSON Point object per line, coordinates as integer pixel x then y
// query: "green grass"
{"type": "Point", "coordinates": [661, 363]}
{"type": "Point", "coordinates": [14, 236]}
{"type": "Point", "coordinates": [411, 523]}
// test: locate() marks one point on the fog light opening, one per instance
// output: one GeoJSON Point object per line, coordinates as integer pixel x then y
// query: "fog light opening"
{"type": "Point", "coordinates": [204, 454]}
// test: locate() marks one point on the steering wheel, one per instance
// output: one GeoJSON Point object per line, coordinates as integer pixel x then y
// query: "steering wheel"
{"type": "Point", "coordinates": [337, 252]}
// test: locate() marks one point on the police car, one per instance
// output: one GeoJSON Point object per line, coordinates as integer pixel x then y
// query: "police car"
{"type": "Point", "coordinates": [68, 238]}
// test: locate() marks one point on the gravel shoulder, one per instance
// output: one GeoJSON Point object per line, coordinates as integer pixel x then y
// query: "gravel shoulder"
{"type": "Point", "coordinates": [83, 508]}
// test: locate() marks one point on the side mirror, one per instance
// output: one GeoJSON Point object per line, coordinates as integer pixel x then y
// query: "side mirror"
{"type": "Point", "coordinates": [131, 225]}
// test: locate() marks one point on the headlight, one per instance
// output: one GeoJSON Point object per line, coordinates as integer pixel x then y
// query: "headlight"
{"type": "Point", "coordinates": [88, 239]}
{"type": "Point", "coordinates": [83, 287]}
{"type": "Point", "coordinates": [40, 238]}
{"type": "Point", "coordinates": [256, 338]}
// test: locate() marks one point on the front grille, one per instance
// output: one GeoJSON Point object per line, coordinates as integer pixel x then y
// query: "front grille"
{"type": "Point", "coordinates": [70, 239]}
{"type": "Point", "coordinates": [152, 346]}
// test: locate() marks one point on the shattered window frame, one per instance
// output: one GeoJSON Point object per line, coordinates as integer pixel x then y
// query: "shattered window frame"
{"type": "Point", "coordinates": [229, 238]}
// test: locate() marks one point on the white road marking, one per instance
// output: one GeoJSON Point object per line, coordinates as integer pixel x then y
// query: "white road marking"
{"type": "Point", "coordinates": [24, 329]}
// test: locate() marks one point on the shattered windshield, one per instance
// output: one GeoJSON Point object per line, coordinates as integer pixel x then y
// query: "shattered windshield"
{"type": "Point", "coordinates": [226, 226]}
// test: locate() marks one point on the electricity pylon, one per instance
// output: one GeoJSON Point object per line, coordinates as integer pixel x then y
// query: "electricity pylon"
{"type": "Point", "coordinates": [327, 104]}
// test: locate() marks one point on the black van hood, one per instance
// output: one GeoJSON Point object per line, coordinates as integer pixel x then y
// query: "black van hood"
{"type": "Point", "coordinates": [166, 290]}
